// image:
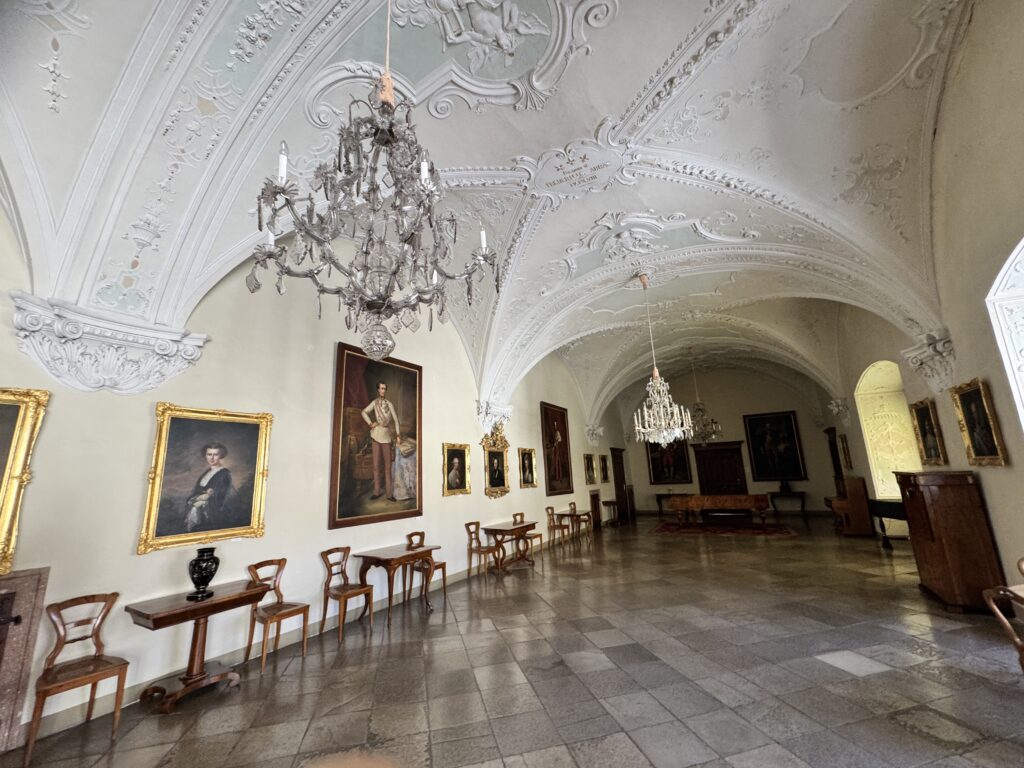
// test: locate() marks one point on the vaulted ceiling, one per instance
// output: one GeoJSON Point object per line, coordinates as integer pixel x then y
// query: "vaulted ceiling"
{"type": "Point", "coordinates": [762, 160]}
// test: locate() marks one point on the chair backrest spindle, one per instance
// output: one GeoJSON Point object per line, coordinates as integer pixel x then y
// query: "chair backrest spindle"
{"type": "Point", "coordinates": [55, 612]}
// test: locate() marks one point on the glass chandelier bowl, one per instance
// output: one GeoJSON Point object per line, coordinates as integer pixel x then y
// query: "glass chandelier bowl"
{"type": "Point", "coordinates": [659, 419]}
{"type": "Point", "coordinates": [381, 190]}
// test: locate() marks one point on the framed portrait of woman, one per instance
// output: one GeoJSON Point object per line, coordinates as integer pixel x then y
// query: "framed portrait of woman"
{"type": "Point", "coordinates": [209, 476]}
{"type": "Point", "coordinates": [527, 467]}
{"type": "Point", "coordinates": [21, 416]}
{"type": "Point", "coordinates": [978, 424]}
{"type": "Point", "coordinates": [928, 433]}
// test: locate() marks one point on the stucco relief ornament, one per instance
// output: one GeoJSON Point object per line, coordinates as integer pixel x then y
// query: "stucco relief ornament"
{"type": "Point", "coordinates": [594, 434]}
{"type": "Point", "coordinates": [840, 408]}
{"type": "Point", "coordinates": [932, 357]}
{"type": "Point", "coordinates": [491, 414]}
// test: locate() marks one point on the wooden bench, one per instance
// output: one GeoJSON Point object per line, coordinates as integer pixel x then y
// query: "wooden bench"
{"type": "Point", "coordinates": [685, 506]}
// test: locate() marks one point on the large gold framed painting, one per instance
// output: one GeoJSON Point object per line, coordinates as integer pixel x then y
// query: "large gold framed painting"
{"type": "Point", "coordinates": [208, 479]}
{"type": "Point", "coordinates": [376, 464]}
{"type": "Point", "coordinates": [21, 415]}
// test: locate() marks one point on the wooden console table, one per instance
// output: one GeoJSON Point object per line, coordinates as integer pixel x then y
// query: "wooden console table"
{"type": "Point", "coordinates": [393, 558]}
{"type": "Point", "coordinates": [685, 506]}
{"type": "Point", "coordinates": [175, 609]}
{"type": "Point", "coordinates": [502, 532]}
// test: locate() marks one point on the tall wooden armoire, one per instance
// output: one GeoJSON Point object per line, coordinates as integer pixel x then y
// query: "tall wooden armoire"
{"type": "Point", "coordinates": [951, 536]}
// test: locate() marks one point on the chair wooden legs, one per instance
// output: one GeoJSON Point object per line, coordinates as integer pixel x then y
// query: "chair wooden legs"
{"type": "Point", "coordinates": [305, 630]}
{"type": "Point", "coordinates": [323, 617]}
{"type": "Point", "coordinates": [118, 700]}
{"type": "Point", "coordinates": [252, 632]}
{"type": "Point", "coordinates": [342, 613]}
{"type": "Point", "coordinates": [92, 701]}
{"type": "Point", "coordinates": [33, 728]}
{"type": "Point", "coordinates": [263, 649]}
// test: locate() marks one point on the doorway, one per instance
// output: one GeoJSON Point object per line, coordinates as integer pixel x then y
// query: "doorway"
{"type": "Point", "coordinates": [887, 428]}
{"type": "Point", "coordinates": [595, 510]}
{"type": "Point", "coordinates": [619, 483]}
{"type": "Point", "coordinates": [720, 468]}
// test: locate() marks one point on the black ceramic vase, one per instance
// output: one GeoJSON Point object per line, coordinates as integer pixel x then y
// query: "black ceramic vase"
{"type": "Point", "coordinates": [201, 569]}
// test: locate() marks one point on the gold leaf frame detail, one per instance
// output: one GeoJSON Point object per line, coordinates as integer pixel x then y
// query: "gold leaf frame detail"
{"type": "Point", "coordinates": [933, 415]}
{"type": "Point", "coordinates": [999, 460]}
{"type": "Point", "coordinates": [148, 540]}
{"type": "Point", "coordinates": [495, 441]}
{"type": "Point", "coordinates": [445, 490]}
{"type": "Point", "coordinates": [16, 474]}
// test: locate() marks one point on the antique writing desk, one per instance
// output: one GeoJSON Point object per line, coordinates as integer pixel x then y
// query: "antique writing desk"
{"type": "Point", "coordinates": [168, 611]}
{"type": "Point", "coordinates": [394, 557]}
{"type": "Point", "coordinates": [516, 532]}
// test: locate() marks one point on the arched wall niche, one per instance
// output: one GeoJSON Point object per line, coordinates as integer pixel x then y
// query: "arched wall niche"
{"type": "Point", "coordinates": [888, 430]}
{"type": "Point", "coordinates": [1006, 310]}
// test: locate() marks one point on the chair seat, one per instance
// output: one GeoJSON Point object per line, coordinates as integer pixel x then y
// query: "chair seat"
{"type": "Point", "coordinates": [280, 610]}
{"type": "Point", "coordinates": [350, 590]}
{"type": "Point", "coordinates": [80, 669]}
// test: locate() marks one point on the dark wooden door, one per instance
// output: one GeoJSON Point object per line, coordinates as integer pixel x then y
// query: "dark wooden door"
{"type": "Point", "coordinates": [619, 482]}
{"type": "Point", "coordinates": [595, 509]}
{"type": "Point", "coordinates": [720, 468]}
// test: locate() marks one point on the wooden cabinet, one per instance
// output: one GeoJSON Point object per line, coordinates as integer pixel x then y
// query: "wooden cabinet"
{"type": "Point", "coordinates": [951, 536]}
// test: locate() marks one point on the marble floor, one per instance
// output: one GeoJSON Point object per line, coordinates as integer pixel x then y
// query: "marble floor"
{"type": "Point", "coordinates": [644, 649]}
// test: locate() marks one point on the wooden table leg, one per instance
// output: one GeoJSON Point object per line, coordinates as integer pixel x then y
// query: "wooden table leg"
{"type": "Point", "coordinates": [391, 588]}
{"type": "Point", "coordinates": [501, 551]}
{"type": "Point", "coordinates": [429, 560]}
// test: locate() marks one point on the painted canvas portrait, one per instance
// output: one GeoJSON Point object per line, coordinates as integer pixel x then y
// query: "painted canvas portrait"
{"type": "Point", "coordinates": [527, 468]}
{"type": "Point", "coordinates": [604, 468]}
{"type": "Point", "coordinates": [454, 469]}
{"type": "Point", "coordinates": [978, 424]}
{"type": "Point", "coordinates": [773, 443]}
{"type": "Point", "coordinates": [21, 416]}
{"type": "Point", "coordinates": [928, 433]}
{"type": "Point", "coordinates": [209, 476]}
{"type": "Point", "coordinates": [495, 445]}
{"type": "Point", "coordinates": [554, 433]}
{"type": "Point", "coordinates": [376, 466]}
{"type": "Point", "coordinates": [669, 465]}
{"type": "Point", "coordinates": [588, 469]}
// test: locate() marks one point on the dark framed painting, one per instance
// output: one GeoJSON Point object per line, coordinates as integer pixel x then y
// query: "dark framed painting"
{"type": "Point", "coordinates": [773, 443]}
{"type": "Point", "coordinates": [527, 468]}
{"type": "Point", "coordinates": [670, 464]}
{"type": "Point", "coordinates": [208, 478]}
{"type": "Point", "coordinates": [554, 434]}
{"type": "Point", "coordinates": [376, 464]}
{"type": "Point", "coordinates": [495, 446]}
{"type": "Point", "coordinates": [589, 471]}
{"type": "Point", "coordinates": [604, 468]}
{"type": "Point", "coordinates": [844, 452]}
{"type": "Point", "coordinates": [455, 469]}
{"type": "Point", "coordinates": [978, 424]}
{"type": "Point", "coordinates": [21, 416]}
{"type": "Point", "coordinates": [928, 433]}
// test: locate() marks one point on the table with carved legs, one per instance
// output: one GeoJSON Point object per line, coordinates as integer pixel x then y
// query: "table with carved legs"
{"type": "Point", "coordinates": [393, 558]}
{"type": "Point", "coordinates": [516, 533]}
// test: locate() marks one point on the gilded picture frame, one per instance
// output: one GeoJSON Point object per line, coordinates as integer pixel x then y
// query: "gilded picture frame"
{"type": "Point", "coordinates": [226, 454]}
{"type": "Point", "coordinates": [589, 470]}
{"type": "Point", "coordinates": [527, 467]}
{"type": "Point", "coordinates": [495, 447]}
{"type": "Point", "coordinates": [930, 444]}
{"type": "Point", "coordinates": [603, 461]}
{"type": "Point", "coordinates": [979, 426]}
{"type": "Point", "coordinates": [21, 416]}
{"type": "Point", "coordinates": [455, 479]}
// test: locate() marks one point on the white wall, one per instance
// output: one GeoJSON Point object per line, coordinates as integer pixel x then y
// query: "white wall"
{"type": "Point", "coordinates": [728, 395]}
{"type": "Point", "coordinates": [83, 511]}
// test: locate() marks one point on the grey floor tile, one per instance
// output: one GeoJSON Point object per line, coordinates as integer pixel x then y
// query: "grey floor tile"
{"type": "Point", "coordinates": [672, 745]}
{"type": "Point", "coordinates": [636, 710]}
{"type": "Point", "coordinates": [615, 751]}
{"type": "Point", "coordinates": [726, 732]}
{"type": "Point", "coordinates": [771, 756]}
{"type": "Point", "coordinates": [528, 732]}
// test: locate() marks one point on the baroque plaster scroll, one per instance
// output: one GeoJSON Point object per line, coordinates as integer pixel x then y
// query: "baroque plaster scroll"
{"type": "Point", "coordinates": [90, 351]}
{"type": "Point", "coordinates": [256, 30]}
{"type": "Point", "coordinates": [491, 414]}
{"type": "Point", "coordinates": [594, 434]}
{"type": "Point", "coordinates": [873, 180]}
{"type": "Point", "coordinates": [195, 19]}
{"type": "Point", "coordinates": [60, 18]}
{"type": "Point", "coordinates": [840, 408]}
{"type": "Point", "coordinates": [933, 357]}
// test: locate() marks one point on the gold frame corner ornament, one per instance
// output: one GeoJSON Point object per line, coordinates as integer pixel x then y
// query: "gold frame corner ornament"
{"type": "Point", "coordinates": [148, 540]}
{"type": "Point", "coordinates": [533, 455]}
{"type": "Point", "coordinates": [933, 414]}
{"type": "Point", "coordinates": [496, 441]}
{"type": "Point", "coordinates": [15, 472]}
{"type": "Point", "coordinates": [999, 459]}
{"type": "Point", "coordinates": [445, 490]}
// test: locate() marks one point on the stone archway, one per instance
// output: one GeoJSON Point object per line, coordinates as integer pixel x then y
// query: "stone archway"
{"type": "Point", "coordinates": [886, 425]}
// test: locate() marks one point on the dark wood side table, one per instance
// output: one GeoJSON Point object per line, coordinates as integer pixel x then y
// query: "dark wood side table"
{"type": "Point", "coordinates": [168, 611]}
{"type": "Point", "coordinates": [394, 557]}
{"type": "Point", "coordinates": [613, 509]}
{"type": "Point", "coordinates": [503, 532]}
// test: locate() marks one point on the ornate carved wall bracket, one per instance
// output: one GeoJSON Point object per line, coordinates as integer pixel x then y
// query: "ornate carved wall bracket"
{"type": "Point", "coordinates": [594, 434]}
{"type": "Point", "coordinates": [840, 408]}
{"type": "Point", "coordinates": [932, 357]}
{"type": "Point", "coordinates": [492, 414]}
{"type": "Point", "coordinates": [88, 350]}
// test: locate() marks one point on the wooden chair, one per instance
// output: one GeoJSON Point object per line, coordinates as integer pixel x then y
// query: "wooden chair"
{"type": "Point", "coordinates": [586, 525]}
{"type": "Point", "coordinates": [532, 536]}
{"type": "Point", "coordinates": [268, 614]}
{"type": "Point", "coordinates": [415, 540]}
{"type": "Point", "coordinates": [556, 529]}
{"type": "Point", "coordinates": [478, 548]}
{"type": "Point", "coordinates": [336, 564]}
{"type": "Point", "coordinates": [90, 670]}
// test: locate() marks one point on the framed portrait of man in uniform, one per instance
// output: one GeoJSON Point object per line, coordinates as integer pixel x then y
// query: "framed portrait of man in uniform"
{"type": "Point", "coordinates": [376, 467]}
{"type": "Point", "coordinates": [554, 434]}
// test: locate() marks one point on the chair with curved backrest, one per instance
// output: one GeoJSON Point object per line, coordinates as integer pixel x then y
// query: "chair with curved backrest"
{"type": "Point", "coordinates": [582, 520]}
{"type": "Point", "coordinates": [532, 536]}
{"type": "Point", "coordinates": [556, 529]}
{"type": "Point", "coordinates": [415, 540]}
{"type": "Point", "coordinates": [269, 614]}
{"type": "Point", "coordinates": [336, 564]}
{"type": "Point", "coordinates": [475, 546]}
{"type": "Point", "coordinates": [90, 670]}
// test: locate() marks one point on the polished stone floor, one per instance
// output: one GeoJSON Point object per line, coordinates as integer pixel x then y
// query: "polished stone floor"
{"type": "Point", "coordinates": [644, 649]}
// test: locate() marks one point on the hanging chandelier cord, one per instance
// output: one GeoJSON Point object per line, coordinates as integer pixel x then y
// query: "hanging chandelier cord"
{"type": "Point", "coordinates": [650, 328]}
{"type": "Point", "coordinates": [387, 86]}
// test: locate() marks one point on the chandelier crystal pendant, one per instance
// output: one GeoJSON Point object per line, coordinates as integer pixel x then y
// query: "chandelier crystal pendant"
{"type": "Point", "coordinates": [659, 419]}
{"type": "Point", "coordinates": [705, 427]}
{"type": "Point", "coordinates": [382, 191]}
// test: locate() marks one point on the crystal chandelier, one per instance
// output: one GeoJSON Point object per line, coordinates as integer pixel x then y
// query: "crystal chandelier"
{"type": "Point", "coordinates": [382, 191]}
{"type": "Point", "coordinates": [659, 419]}
{"type": "Point", "coordinates": [705, 428]}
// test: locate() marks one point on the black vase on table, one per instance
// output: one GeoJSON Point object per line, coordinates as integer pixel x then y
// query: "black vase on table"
{"type": "Point", "coordinates": [201, 569]}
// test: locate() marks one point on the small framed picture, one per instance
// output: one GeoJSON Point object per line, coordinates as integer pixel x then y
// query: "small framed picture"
{"type": "Point", "coordinates": [929, 435]}
{"type": "Point", "coordinates": [527, 468]}
{"type": "Point", "coordinates": [455, 469]}
{"type": "Point", "coordinates": [604, 468]}
{"type": "Point", "coordinates": [588, 469]}
{"type": "Point", "coordinates": [208, 478]}
{"type": "Point", "coordinates": [979, 426]}
{"type": "Point", "coordinates": [495, 463]}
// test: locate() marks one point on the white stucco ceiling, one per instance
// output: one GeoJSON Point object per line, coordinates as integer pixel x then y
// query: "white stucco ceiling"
{"type": "Point", "coordinates": [763, 160]}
